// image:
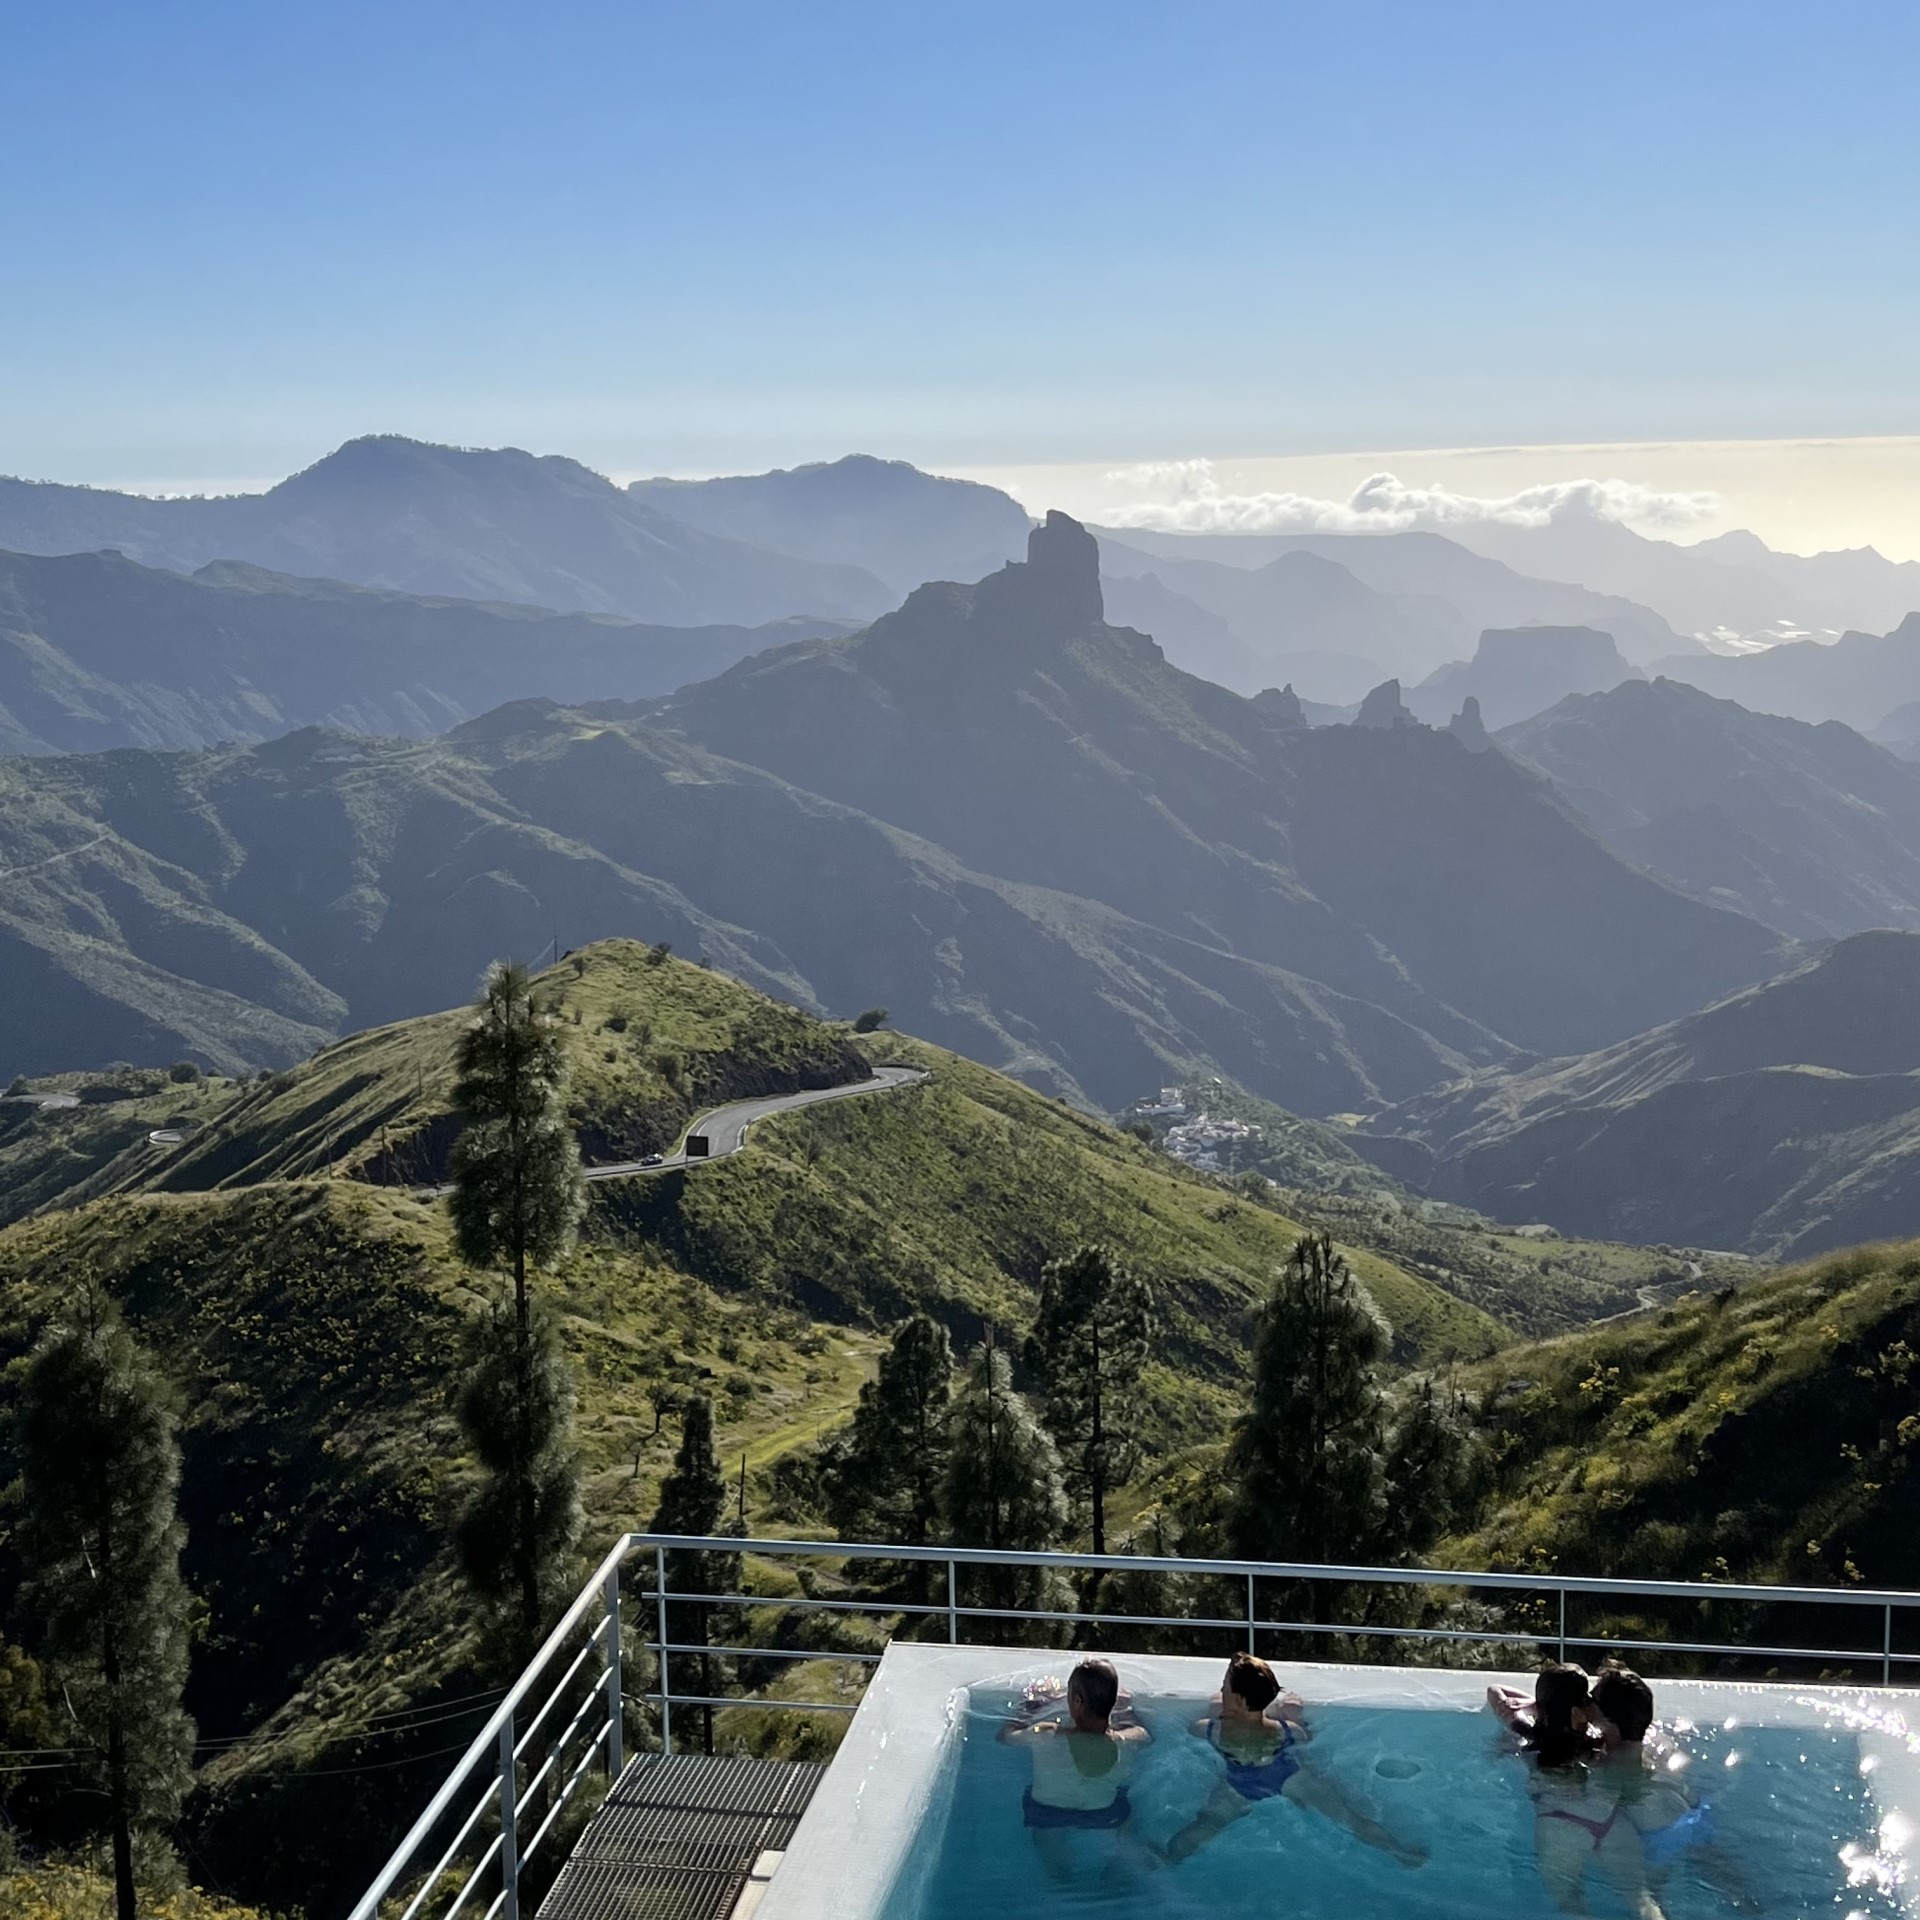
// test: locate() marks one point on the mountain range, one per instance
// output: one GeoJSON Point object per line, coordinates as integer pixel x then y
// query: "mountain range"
{"type": "Point", "coordinates": [473, 523]}
{"type": "Point", "coordinates": [1783, 1121]}
{"type": "Point", "coordinates": [98, 651]}
{"type": "Point", "coordinates": [1014, 824]}
{"type": "Point", "coordinates": [902, 526]}
{"type": "Point", "coordinates": [1811, 829]}
{"type": "Point", "coordinates": [1516, 672]}
{"type": "Point", "coordinates": [1730, 586]}
{"type": "Point", "coordinates": [1335, 614]}
{"type": "Point", "coordinates": [1862, 679]}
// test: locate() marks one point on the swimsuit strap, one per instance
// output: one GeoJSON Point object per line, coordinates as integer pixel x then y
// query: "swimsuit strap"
{"type": "Point", "coordinates": [1598, 1828]}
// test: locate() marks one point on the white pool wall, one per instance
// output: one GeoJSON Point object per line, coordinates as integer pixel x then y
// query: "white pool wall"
{"type": "Point", "coordinates": [888, 1781]}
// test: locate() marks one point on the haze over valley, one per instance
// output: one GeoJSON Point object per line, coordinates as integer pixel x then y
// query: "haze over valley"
{"type": "Point", "coordinates": [864, 871]}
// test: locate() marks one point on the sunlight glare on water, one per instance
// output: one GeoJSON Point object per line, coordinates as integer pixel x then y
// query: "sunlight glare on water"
{"type": "Point", "coordinates": [1797, 1814]}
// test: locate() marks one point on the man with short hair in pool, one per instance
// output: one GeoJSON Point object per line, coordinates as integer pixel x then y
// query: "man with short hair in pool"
{"type": "Point", "coordinates": [1259, 1737]}
{"type": "Point", "coordinates": [1670, 1822]}
{"type": "Point", "coordinates": [1080, 1761]}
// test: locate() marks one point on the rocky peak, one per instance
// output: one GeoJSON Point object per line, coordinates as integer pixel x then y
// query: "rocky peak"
{"type": "Point", "coordinates": [1056, 588]}
{"type": "Point", "coordinates": [1468, 728]}
{"type": "Point", "coordinates": [1383, 707]}
{"type": "Point", "coordinates": [1280, 706]}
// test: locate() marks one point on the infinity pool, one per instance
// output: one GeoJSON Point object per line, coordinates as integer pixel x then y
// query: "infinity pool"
{"type": "Point", "coordinates": [1814, 1793]}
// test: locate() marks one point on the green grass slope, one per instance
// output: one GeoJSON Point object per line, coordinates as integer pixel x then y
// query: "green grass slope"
{"type": "Point", "coordinates": [1769, 1432]}
{"type": "Point", "coordinates": [313, 1324]}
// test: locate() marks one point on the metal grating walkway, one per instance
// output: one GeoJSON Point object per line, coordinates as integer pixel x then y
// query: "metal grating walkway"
{"type": "Point", "coordinates": [678, 1837]}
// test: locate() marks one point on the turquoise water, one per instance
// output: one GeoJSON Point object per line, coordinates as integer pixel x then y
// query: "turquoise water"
{"type": "Point", "coordinates": [1791, 1806]}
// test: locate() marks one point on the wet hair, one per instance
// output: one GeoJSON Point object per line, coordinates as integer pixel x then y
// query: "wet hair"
{"type": "Point", "coordinates": [1561, 1691]}
{"type": "Point", "coordinates": [1096, 1686]}
{"type": "Point", "coordinates": [1625, 1699]}
{"type": "Point", "coordinates": [1252, 1679]}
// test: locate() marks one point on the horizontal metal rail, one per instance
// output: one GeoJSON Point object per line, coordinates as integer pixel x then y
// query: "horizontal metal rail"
{"type": "Point", "coordinates": [488, 1778]}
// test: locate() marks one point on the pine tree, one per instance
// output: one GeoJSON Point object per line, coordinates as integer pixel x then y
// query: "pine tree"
{"type": "Point", "coordinates": [100, 1529]}
{"type": "Point", "coordinates": [517, 1193]}
{"type": "Point", "coordinates": [693, 1501]}
{"type": "Point", "coordinates": [1089, 1345]}
{"type": "Point", "coordinates": [519, 1529]}
{"type": "Point", "coordinates": [1002, 1484]}
{"type": "Point", "coordinates": [517, 1199]}
{"type": "Point", "coordinates": [1429, 1470]}
{"type": "Point", "coordinates": [884, 1480]}
{"type": "Point", "coordinates": [1305, 1461]}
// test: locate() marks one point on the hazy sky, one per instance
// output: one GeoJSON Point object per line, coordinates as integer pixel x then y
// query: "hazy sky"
{"type": "Point", "coordinates": [702, 237]}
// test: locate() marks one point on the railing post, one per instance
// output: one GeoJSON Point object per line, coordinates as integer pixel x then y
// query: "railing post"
{"type": "Point", "coordinates": [953, 1607]}
{"type": "Point", "coordinates": [509, 1826]}
{"type": "Point", "coordinates": [1563, 1626]}
{"type": "Point", "coordinates": [616, 1756]}
{"type": "Point", "coordinates": [1250, 1646]}
{"type": "Point", "coordinates": [666, 1689]}
{"type": "Point", "coordinates": [1886, 1647]}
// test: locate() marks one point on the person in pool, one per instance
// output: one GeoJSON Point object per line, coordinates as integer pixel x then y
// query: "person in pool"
{"type": "Point", "coordinates": [1576, 1825]}
{"type": "Point", "coordinates": [1260, 1736]}
{"type": "Point", "coordinates": [1081, 1759]}
{"type": "Point", "coordinates": [1670, 1822]}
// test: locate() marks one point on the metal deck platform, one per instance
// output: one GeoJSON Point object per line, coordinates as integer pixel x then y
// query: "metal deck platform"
{"type": "Point", "coordinates": [680, 1837]}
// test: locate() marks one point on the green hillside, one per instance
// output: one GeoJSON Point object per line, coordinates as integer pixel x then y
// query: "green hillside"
{"type": "Point", "coordinates": [312, 1322]}
{"type": "Point", "coordinates": [1769, 1432]}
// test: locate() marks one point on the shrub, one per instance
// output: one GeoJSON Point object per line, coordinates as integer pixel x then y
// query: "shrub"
{"type": "Point", "coordinates": [870, 1021]}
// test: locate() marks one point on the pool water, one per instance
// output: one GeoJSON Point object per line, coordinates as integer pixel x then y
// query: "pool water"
{"type": "Point", "coordinates": [1793, 1806]}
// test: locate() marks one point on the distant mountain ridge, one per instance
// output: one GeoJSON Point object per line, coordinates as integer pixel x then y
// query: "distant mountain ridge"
{"type": "Point", "coordinates": [1517, 672]}
{"type": "Point", "coordinates": [98, 652]}
{"type": "Point", "coordinates": [1440, 594]}
{"type": "Point", "coordinates": [903, 526]}
{"type": "Point", "coordinates": [481, 524]}
{"type": "Point", "coordinates": [1860, 679]}
{"type": "Point", "coordinates": [1811, 829]}
{"type": "Point", "coordinates": [1784, 1120]}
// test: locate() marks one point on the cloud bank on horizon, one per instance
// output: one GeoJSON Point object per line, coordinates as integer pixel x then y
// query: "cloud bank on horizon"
{"type": "Point", "coordinates": [1193, 501]}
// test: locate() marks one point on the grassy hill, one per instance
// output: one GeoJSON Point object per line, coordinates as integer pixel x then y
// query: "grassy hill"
{"type": "Point", "coordinates": [312, 1317]}
{"type": "Point", "coordinates": [1768, 1432]}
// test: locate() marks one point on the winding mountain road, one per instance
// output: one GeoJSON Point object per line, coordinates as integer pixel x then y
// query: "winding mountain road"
{"type": "Point", "coordinates": [725, 1128]}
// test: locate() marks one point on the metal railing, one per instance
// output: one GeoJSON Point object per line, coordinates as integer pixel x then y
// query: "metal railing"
{"type": "Point", "coordinates": [468, 1840]}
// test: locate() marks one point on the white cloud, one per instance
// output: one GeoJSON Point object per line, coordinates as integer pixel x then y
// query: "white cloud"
{"type": "Point", "coordinates": [1191, 500]}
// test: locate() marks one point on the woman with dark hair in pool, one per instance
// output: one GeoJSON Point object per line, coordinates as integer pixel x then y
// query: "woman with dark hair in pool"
{"type": "Point", "coordinates": [1259, 1736]}
{"type": "Point", "coordinates": [1575, 1824]}
{"type": "Point", "coordinates": [1671, 1823]}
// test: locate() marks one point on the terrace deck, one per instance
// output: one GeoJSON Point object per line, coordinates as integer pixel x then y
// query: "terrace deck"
{"type": "Point", "coordinates": [683, 1837]}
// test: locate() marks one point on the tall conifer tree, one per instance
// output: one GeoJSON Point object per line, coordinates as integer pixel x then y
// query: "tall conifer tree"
{"type": "Point", "coordinates": [693, 1501]}
{"type": "Point", "coordinates": [1003, 1479]}
{"type": "Point", "coordinates": [519, 1529]}
{"type": "Point", "coordinates": [1089, 1345]}
{"type": "Point", "coordinates": [884, 1480]}
{"type": "Point", "coordinates": [1304, 1463]}
{"type": "Point", "coordinates": [516, 1202]}
{"type": "Point", "coordinates": [100, 1530]}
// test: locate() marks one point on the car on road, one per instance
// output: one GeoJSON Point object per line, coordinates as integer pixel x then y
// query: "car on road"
{"type": "Point", "coordinates": [653, 1159]}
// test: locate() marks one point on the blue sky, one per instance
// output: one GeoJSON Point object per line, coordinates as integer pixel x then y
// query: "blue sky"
{"type": "Point", "coordinates": [709, 236]}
